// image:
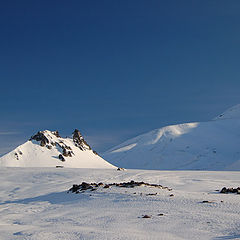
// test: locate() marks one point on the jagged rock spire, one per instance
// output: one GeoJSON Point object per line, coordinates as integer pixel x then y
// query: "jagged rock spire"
{"type": "Point", "coordinates": [40, 137]}
{"type": "Point", "coordinates": [79, 140]}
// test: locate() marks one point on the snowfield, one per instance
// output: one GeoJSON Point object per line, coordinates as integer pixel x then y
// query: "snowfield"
{"type": "Point", "coordinates": [35, 205]}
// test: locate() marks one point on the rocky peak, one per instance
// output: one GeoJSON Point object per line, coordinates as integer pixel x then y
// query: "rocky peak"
{"type": "Point", "coordinates": [79, 140]}
{"type": "Point", "coordinates": [40, 137]}
{"type": "Point", "coordinates": [56, 133]}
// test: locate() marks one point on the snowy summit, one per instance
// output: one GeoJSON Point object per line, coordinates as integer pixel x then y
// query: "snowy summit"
{"type": "Point", "coordinates": [212, 145]}
{"type": "Point", "coordinates": [49, 149]}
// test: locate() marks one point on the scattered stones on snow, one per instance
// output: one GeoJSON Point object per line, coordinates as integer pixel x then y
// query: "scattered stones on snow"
{"type": "Point", "coordinates": [230, 190]}
{"type": "Point", "coordinates": [120, 169]}
{"type": "Point", "coordinates": [16, 155]}
{"type": "Point", "coordinates": [150, 216]}
{"type": "Point", "coordinates": [206, 201]}
{"type": "Point", "coordinates": [89, 186]}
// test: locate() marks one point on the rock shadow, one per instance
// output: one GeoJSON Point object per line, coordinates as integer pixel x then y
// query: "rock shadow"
{"type": "Point", "coordinates": [235, 236]}
{"type": "Point", "coordinates": [53, 198]}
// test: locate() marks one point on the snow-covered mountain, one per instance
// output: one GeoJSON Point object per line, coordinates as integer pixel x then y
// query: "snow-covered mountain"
{"type": "Point", "coordinates": [212, 145]}
{"type": "Point", "coordinates": [48, 149]}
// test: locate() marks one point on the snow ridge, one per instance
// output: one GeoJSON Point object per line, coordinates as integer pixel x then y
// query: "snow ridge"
{"type": "Point", "coordinates": [212, 145]}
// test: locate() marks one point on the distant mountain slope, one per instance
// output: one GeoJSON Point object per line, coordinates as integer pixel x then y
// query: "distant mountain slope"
{"type": "Point", "coordinates": [48, 149]}
{"type": "Point", "coordinates": [231, 113]}
{"type": "Point", "coordinates": [213, 145]}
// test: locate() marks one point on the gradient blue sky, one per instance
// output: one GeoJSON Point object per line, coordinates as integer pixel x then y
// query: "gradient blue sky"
{"type": "Point", "coordinates": [115, 69]}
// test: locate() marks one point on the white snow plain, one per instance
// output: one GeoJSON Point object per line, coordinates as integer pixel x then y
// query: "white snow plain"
{"type": "Point", "coordinates": [35, 205]}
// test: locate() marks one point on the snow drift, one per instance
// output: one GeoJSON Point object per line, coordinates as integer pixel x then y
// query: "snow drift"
{"type": "Point", "coordinates": [213, 145]}
{"type": "Point", "coordinates": [48, 149]}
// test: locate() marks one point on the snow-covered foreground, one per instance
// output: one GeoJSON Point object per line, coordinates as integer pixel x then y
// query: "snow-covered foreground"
{"type": "Point", "coordinates": [35, 205]}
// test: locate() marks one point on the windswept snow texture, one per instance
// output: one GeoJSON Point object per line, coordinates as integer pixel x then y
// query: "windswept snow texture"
{"type": "Point", "coordinates": [213, 145]}
{"type": "Point", "coordinates": [35, 205]}
{"type": "Point", "coordinates": [48, 149]}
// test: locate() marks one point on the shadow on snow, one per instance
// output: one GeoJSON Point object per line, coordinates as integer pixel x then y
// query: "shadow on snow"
{"type": "Point", "coordinates": [53, 198]}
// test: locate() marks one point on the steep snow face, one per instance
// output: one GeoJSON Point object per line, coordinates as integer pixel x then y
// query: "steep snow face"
{"type": "Point", "coordinates": [48, 149]}
{"type": "Point", "coordinates": [233, 112]}
{"type": "Point", "coordinates": [212, 145]}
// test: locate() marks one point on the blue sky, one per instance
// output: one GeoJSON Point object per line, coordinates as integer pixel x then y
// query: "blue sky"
{"type": "Point", "coordinates": [115, 69]}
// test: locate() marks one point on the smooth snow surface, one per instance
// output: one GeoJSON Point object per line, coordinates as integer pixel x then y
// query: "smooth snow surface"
{"type": "Point", "coordinates": [212, 145]}
{"type": "Point", "coordinates": [233, 112]}
{"type": "Point", "coordinates": [35, 205]}
{"type": "Point", "coordinates": [32, 154]}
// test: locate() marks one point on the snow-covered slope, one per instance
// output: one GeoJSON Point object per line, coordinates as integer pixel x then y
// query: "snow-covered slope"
{"type": "Point", "coordinates": [48, 149]}
{"type": "Point", "coordinates": [233, 112]}
{"type": "Point", "coordinates": [213, 145]}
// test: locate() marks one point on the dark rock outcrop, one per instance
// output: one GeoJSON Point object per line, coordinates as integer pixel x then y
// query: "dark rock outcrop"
{"type": "Point", "coordinates": [79, 141]}
{"type": "Point", "coordinates": [85, 186]}
{"type": "Point", "coordinates": [230, 190]}
{"type": "Point", "coordinates": [40, 137]}
{"type": "Point", "coordinates": [67, 153]}
{"type": "Point", "coordinates": [120, 169]}
{"type": "Point", "coordinates": [60, 156]}
{"type": "Point", "coordinates": [56, 133]}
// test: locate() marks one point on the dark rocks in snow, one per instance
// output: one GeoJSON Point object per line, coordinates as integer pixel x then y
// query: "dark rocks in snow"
{"type": "Point", "coordinates": [120, 169]}
{"type": "Point", "coordinates": [16, 155]}
{"type": "Point", "coordinates": [56, 133]}
{"type": "Point", "coordinates": [79, 141]}
{"type": "Point", "coordinates": [46, 139]}
{"type": "Point", "coordinates": [224, 190]}
{"type": "Point", "coordinates": [66, 153]}
{"type": "Point", "coordinates": [59, 166]}
{"type": "Point", "coordinates": [95, 152]}
{"type": "Point", "coordinates": [60, 156]}
{"type": "Point", "coordinates": [68, 147]}
{"type": "Point", "coordinates": [230, 190]}
{"type": "Point", "coordinates": [40, 137]}
{"type": "Point", "coordinates": [82, 187]}
{"type": "Point", "coordinates": [146, 216]}
{"type": "Point", "coordinates": [206, 201]}
{"type": "Point", "coordinates": [85, 186]}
